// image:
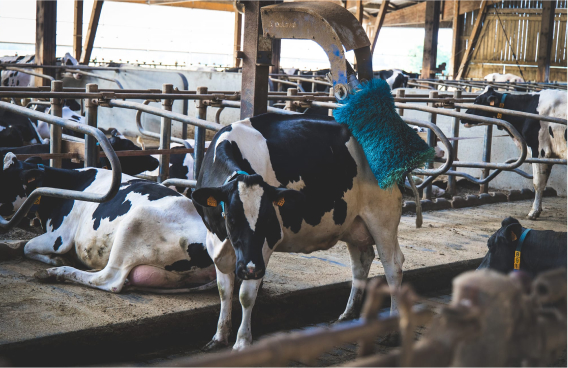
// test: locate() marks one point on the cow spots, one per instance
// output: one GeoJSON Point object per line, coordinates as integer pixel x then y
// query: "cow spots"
{"type": "Point", "coordinates": [550, 131]}
{"type": "Point", "coordinates": [296, 185]}
{"type": "Point", "coordinates": [120, 205]}
{"type": "Point", "coordinates": [542, 153]}
{"type": "Point", "coordinates": [179, 266]}
{"type": "Point", "coordinates": [251, 198]}
{"type": "Point", "coordinates": [199, 256]}
{"type": "Point", "coordinates": [339, 212]}
{"type": "Point", "coordinates": [564, 134]}
{"type": "Point", "coordinates": [57, 243]}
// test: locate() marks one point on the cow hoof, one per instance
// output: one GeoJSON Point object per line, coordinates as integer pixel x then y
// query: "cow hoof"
{"type": "Point", "coordinates": [241, 345]}
{"type": "Point", "coordinates": [45, 277]}
{"type": "Point", "coordinates": [214, 345]}
{"type": "Point", "coordinates": [533, 215]}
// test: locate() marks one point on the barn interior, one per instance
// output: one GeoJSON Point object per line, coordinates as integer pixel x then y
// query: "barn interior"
{"type": "Point", "coordinates": [170, 111]}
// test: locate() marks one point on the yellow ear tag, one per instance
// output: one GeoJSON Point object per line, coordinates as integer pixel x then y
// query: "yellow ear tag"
{"type": "Point", "coordinates": [492, 103]}
{"type": "Point", "coordinates": [30, 180]}
{"type": "Point", "coordinates": [38, 199]}
{"type": "Point", "coordinates": [513, 236]}
{"type": "Point", "coordinates": [211, 202]}
{"type": "Point", "coordinates": [280, 202]}
{"type": "Point", "coordinates": [517, 263]}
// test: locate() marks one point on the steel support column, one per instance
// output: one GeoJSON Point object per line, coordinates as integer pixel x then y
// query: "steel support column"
{"type": "Point", "coordinates": [199, 134]}
{"type": "Point", "coordinates": [257, 58]}
{"type": "Point", "coordinates": [55, 130]}
{"type": "Point", "coordinates": [165, 134]}
{"type": "Point", "coordinates": [91, 149]}
{"type": "Point", "coordinates": [431, 137]}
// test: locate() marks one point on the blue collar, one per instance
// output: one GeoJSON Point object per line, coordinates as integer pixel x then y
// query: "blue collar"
{"type": "Point", "coordinates": [517, 263]}
{"type": "Point", "coordinates": [229, 178]}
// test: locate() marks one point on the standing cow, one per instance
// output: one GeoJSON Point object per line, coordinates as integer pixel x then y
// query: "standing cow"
{"type": "Point", "coordinates": [544, 139]}
{"type": "Point", "coordinates": [148, 234]}
{"type": "Point", "coordinates": [291, 184]}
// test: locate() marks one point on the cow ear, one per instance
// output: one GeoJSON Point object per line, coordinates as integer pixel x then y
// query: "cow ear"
{"type": "Point", "coordinates": [32, 177]}
{"type": "Point", "coordinates": [208, 197]}
{"type": "Point", "coordinates": [287, 197]}
{"type": "Point", "coordinates": [513, 232]}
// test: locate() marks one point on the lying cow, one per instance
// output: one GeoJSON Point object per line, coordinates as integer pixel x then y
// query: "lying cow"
{"type": "Point", "coordinates": [17, 130]}
{"type": "Point", "coordinates": [130, 165]}
{"type": "Point", "coordinates": [291, 183]}
{"type": "Point", "coordinates": [13, 78]}
{"type": "Point", "coordinates": [147, 233]}
{"type": "Point", "coordinates": [544, 139]}
{"type": "Point", "coordinates": [540, 250]}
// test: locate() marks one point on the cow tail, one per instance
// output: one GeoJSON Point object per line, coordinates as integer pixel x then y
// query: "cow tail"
{"type": "Point", "coordinates": [417, 200]}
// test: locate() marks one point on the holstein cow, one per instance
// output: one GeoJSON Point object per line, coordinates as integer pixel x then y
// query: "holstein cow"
{"type": "Point", "coordinates": [538, 250]}
{"type": "Point", "coordinates": [291, 183]}
{"type": "Point", "coordinates": [544, 139]}
{"type": "Point", "coordinates": [497, 77]}
{"type": "Point", "coordinates": [395, 78]}
{"type": "Point", "coordinates": [148, 234]}
{"type": "Point", "coordinates": [17, 130]}
{"type": "Point", "coordinates": [13, 78]}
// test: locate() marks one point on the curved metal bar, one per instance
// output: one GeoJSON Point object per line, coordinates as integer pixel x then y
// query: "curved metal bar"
{"type": "Point", "coordinates": [517, 137]}
{"type": "Point", "coordinates": [93, 75]}
{"type": "Point", "coordinates": [180, 183]}
{"type": "Point", "coordinates": [549, 161]}
{"type": "Point", "coordinates": [166, 114]}
{"type": "Point", "coordinates": [237, 105]}
{"type": "Point", "coordinates": [152, 134]}
{"type": "Point", "coordinates": [30, 72]}
{"type": "Point", "coordinates": [512, 113]}
{"type": "Point", "coordinates": [218, 115]}
{"type": "Point", "coordinates": [445, 141]}
{"type": "Point", "coordinates": [65, 193]}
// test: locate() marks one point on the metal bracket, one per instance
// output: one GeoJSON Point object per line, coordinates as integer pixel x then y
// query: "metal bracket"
{"type": "Point", "coordinates": [333, 27]}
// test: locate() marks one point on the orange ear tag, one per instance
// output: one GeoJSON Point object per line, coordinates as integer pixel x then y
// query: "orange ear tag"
{"type": "Point", "coordinates": [492, 103]}
{"type": "Point", "coordinates": [30, 180]}
{"type": "Point", "coordinates": [211, 202]}
{"type": "Point", "coordinates": [280, 202]}
{"type": "Point", "coordinates": [513, 236]}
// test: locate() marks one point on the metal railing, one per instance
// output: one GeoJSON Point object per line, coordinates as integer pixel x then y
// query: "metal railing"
{"type": "Point", "coordinates": [64, 193]}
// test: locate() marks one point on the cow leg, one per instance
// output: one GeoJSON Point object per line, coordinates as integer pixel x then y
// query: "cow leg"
{"type": "Point", "coordinates": [361, 260]}
{"type": "Point", "coordinates": [541, 172]}
{"type": "Point", "coordinates": [47, 247]}
{"type": "Point", "coordinates": [247, 296]}
{"type": "Point", "coordinates": [225, 284]}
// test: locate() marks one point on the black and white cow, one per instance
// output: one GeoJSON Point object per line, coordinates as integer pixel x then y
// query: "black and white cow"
{"type": "Point", "coordinates": [17, 130]}
{"type": "Point", "coordinates": [291, 183]}
{"type": "Point", "coordinates": [395, 78]}
{"type": "Point", "coordinates": [544, 139]}
{"type": "Point", "coordinates": [148, 234]}
{"type": "Point", "coordinates": [13, 78]}
{"type": "Point", "coordinates": [540, 250]}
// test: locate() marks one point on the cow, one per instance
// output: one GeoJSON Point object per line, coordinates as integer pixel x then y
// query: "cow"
{"type": "Point", "coordinates": [540, 250]}
{"type": "Point", "coordinates": [148, 234]}
{"type": "Point", "coordinates": [17, 130]}
{"type": "Point", "coordinates": [395, 78]}
{"type": "Point", "coordinates": [544, 139]}
{"type": "Point", "coordinates": [14, 78]}
{"type": "Point", "coordinates": [497, 77]}
{"type": "Point", "coordinates": [130, 165]}
{"type": "Point", "coordinates": [291, 183]}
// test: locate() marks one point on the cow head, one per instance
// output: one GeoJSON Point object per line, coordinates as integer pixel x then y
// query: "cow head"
{"type": "Point", "coordinates": [252, 214]}
{"type": "Point", "coordinates": [130, 165]}
{"type": "Point", "coordinates": [17, 181]}
{"type": "Point", "coordinates": [401, 81]}
{"type": "Point", "coordinates": [502, 245]}
{"type": "Point", "coordinates": [488, 98]}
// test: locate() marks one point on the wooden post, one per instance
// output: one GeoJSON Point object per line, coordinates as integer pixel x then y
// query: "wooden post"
{"type": "Point", "coordinates": [379, 23]}
{"type": "Point", "coordinates": [545, 41]}
{"type": "Point", "coordinates": [457, 31]}
{"type": "Point", "coordinates": [276, 47]}
{"type": "Point", "coordinates": [91, 32]}
{"type": "Point", "coordinates": [78, 30]}
{"type": "Point", "coordinates": [476, 30]}
{"type": "Point", "coordinates": [257, 57]}
{"type": "Point", "coordinates": [431, 25]}
{"type": "Point", "coordinates": [237, 39]}
{"type": "Point", "coordinates": [359, 12]}
{"type": "Point", "coordinates": [46, 21]}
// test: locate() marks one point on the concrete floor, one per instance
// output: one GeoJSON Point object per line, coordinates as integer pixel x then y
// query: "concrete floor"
{"type": "Point", "coordinates": [30, 310]}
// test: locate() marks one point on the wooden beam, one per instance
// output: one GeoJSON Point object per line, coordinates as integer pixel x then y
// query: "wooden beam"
{"type": "Point", "coordinates": [276, 47]}
{"type": "Point", "coordinates": [476, 30]}
{"type": "Point", "coordinates": [191, 4]}
{"type": "Point", "coordinates": [457, 32]}
{"type": "Point", "coordinates": [237, 39]}
{"type": "Point", "coordinates": [46, 22]}
{"type": "Point", "coordinates": [431, 26]}
{"type": "Point", "coordinates": [78, 29]}
{"type": "Point", "coordinates": [545, 41]}
{"type": "Point", "coordinates": [379, 23]}
{"type": "Point", "coordinates": [91, 32]}
{"type": "Point", "coordinates": [359, 12]}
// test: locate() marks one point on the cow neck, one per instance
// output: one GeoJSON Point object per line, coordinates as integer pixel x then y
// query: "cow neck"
{"type": "Point", "coordinates": [62, 178]}
{"type": "Point", "coordinates": [523, 103]}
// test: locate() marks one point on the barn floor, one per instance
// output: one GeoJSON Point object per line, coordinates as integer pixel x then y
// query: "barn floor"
{"type": "Point", "coordinates": [31, 312]}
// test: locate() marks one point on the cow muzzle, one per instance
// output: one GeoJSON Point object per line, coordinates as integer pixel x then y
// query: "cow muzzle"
{"type": "Point", "coordinates": [249, 271]}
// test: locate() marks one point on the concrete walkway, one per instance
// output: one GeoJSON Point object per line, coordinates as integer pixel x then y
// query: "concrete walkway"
{"type": "Point", "coordinates": [34, 314]}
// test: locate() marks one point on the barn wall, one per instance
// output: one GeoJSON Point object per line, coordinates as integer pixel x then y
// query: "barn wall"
{"type": "Point", "coordinates": [522, 21]}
